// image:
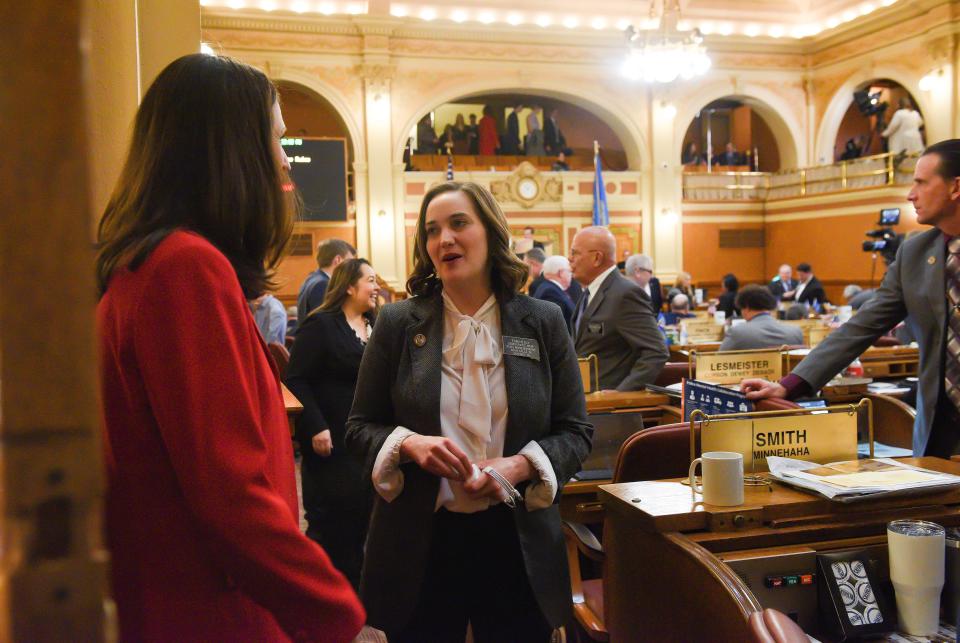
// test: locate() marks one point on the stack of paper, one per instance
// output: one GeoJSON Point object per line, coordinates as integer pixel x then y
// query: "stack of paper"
{"type": "Point", "coordinates": [859, 479]}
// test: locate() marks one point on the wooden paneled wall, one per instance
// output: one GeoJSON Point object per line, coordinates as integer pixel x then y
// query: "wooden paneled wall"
{"type": "Point", "coordinates": [825, 231]}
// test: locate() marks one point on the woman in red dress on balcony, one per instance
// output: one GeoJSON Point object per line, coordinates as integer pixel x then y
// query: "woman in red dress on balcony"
{"type": "Point", "coordinates": [489, 139]}
{"type": "Point", "coordinates": [201, 502]}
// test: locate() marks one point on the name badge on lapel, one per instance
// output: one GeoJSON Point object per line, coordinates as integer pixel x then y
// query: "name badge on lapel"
{"type": "Point", "coordinates": [521, 347]}
{"type": "Point", "coordinates": [595, 327]}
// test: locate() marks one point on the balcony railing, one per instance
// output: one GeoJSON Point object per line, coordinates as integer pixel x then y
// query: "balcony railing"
{"type": "Point", "coordinates": [868, 171]}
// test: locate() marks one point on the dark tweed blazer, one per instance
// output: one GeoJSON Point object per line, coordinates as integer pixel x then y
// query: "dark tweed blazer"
{"type": "Point", "coordinates": [399, 385]}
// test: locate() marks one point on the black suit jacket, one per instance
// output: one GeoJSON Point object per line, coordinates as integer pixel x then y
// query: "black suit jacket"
{"type": "Point", "coordinates": [813, 291]}
{"type": "Point", "coordinates": [727, 303]}
{"type": "Point", "coordinates": [777, 287]}
{"type": "Point", "coordinates": [400, 385]}
{"type": "Point", "coordinates": [619, 327]}
{"type": "Point", "coordinates": [549, 291]}
{"type": "Point", "coordinates": [553, 138]}
{"type": "Point", "coordinates": [322, 374]}
{"type": "Point", "coordinates": [656, 295]}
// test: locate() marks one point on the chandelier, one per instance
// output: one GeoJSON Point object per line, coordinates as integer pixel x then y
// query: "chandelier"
{"type": "Point", "coordinates": [665, 53]}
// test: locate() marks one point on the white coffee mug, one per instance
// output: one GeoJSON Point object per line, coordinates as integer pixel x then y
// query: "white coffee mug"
{"type": "Point", "coordinates": [722, 478]}
{"type": "Point", "coordinates": [917, 558]}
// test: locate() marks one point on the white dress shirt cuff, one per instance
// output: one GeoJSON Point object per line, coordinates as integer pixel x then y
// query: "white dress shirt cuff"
{"type": "Point", "coordinates": [387, 476]}
{"type": "Point", "coordinates": [540, 493]}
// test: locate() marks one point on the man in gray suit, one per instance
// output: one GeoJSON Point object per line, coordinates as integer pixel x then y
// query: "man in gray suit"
{"type": "Point", "coordinates": [921, 285]}
{"type": "Point", "coordinates": [761, 330]}
{"type": "Point", "coordinates": [613, 318]}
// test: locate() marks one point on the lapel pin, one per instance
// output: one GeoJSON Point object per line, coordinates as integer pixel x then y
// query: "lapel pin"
{"type": "Point", "coordinates": [419, 339]}
{"type": "Point", "coordinates": [931, 260]}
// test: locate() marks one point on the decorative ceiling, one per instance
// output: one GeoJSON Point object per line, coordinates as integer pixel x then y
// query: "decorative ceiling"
{"type": "Point", "coordinates": [750, 18]}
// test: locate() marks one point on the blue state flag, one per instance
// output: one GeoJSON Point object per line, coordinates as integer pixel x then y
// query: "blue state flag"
{"type": "Point", "coordinates": [601, 214]}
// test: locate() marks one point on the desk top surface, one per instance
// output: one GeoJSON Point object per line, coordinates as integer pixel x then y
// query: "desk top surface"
{"type": "Point", "coordinates": [601, 401]}
{"type": "Point", "coordinates": [670, 505]}
{"type": "Point", "coordinates": [290, 401]}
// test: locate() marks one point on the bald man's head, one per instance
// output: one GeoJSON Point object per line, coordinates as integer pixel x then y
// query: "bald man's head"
{"type": "Point", "coordinates": [593, 251]}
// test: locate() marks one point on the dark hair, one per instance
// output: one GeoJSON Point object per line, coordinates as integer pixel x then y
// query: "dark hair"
{"type": "Point", "coordinates": [330, 249]}
{"type": "Point", "coordinates": [487, 110]}
{"type": "Point", "coordinates": [346, 275]}
{"type": "Point", "coordinates": [530, 228]}
{"type": "Point", "coordinates": [536, 254]}
{"type": "Point", "coordinates": [804, 267]}
{"type": "Point", "coordinates": [796, 311]}
{"type": "Point", "coordinates": [730, 282]}
{"type": "Point", "coordinates": [201, 158]}
{"type": "Point", "coordinates": [507, 273]}
{"type": "Point", "coordinates": [755, 297]}
{"type": "Point", "coordinates": [949, 152]}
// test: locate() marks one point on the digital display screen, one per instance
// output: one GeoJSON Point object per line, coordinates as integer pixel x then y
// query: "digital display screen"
{"type": "Point", "coordinates": [890, 216]}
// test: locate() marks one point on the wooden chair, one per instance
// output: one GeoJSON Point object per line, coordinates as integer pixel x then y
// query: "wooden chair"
{"type": "Point", "coordinates": [281, 356]}
{"type": "Point", "coordinates": [771, 626]}
{"type": "Point", "coordinates": [892, 421]}
{"type": "Point", "coordinates": [672, 373]}
{"type": "Point", "coordinates": [651, 454]}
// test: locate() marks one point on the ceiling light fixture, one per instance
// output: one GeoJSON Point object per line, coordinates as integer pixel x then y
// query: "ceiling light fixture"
{"type": "Point", "coordinates": [514, 19]}
{"type": "Point", "coordinates": [666, 53]}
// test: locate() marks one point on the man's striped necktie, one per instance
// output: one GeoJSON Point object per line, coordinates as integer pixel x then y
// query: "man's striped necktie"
{"type": "Point", "coordinates": [952, 368]}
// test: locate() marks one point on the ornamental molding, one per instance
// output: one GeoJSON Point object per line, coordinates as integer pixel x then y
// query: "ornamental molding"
{"type": "Point", "coordinates": [519, 187]}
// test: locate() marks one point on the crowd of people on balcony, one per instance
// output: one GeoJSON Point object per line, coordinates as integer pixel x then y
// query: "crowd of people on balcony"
{"type": "Point", "coordinates": [468, 136]}
{"type": "Point", "coordinates": [730, 156]}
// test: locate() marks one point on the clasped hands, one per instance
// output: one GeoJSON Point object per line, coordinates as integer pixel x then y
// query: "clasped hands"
{"type": "Point", "coordinates": [442, 457]}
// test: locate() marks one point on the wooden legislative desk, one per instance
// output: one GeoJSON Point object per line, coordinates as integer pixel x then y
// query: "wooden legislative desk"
{"type": "Point", "coordinates": [293, 406]}
{"type": "Point", "coordinates": [665, 579]}
{"type": "Point", "coordinates": [888, 362]}
{"type": "Point", "coordinates": [681, 352]}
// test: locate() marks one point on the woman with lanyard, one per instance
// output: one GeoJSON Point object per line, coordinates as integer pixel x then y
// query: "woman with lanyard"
{"type": "Point", "coordinates": [470, 415]}
{"type": "Point", "coordinates": [323, 374]}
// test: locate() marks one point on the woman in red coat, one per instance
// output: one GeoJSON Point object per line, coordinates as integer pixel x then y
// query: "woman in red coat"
{"type": "Point", "coordinates": [489, 139]}
{"type": "Point", "coordinates": [201, 506]}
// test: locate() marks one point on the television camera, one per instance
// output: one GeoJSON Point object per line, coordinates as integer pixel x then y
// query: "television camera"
{"type": "Point", "coordinates": [884, 240]}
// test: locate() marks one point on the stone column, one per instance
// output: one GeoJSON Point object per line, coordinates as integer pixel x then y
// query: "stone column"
{"type": "Point", "coordinates": [666, 179]}
{"type": "Point", "coordinates": [380, 215]}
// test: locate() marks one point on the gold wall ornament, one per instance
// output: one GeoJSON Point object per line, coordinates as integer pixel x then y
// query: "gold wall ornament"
{"type": "Point", "coordinates": [527, 186]}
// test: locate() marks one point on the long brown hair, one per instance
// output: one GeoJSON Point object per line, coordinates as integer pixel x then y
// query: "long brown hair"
{"type": "Point", "coordinates": [507, 273]}
{"type": "Point", "coordinates": [347, 274]}
{"type": "Point", "coordinates": [201, 158]}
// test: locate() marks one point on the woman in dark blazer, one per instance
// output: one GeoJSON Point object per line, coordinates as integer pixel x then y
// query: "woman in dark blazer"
{"type": "Point", "coordinates": [322, 374]}
{"type": "Point", "coordinates": [467, 372]}
{"type": "Point", "coordinates": [727, 302]}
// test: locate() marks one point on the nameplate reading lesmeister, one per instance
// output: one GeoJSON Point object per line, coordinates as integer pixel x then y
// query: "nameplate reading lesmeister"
{"type": "Point", "coordinates": [733, 366]}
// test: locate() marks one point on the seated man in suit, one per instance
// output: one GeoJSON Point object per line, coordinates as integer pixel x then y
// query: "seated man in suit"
{"type": "Point", "coordinates": [679, 309]}
{"type": "Point", "coordinates": [810, 291]}
{"type": "Point", "coordinates": [783, 287]}
{"type": "Point", "coordinates": [639, 268]}
{"type": "Point", "coordinates": [613, 319]}
{"type": "Point", "coordinates": [556, 279]}
{"type": "Point", "coordinates": [855, 296]}
{"type": "Point", "coordinates": [761, 330]}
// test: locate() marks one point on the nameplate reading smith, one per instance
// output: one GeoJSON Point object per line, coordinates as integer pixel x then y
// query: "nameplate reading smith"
{"type": "Point", "coordinates": [521, 347]}
{"type": "Point", "coordinates": [730, 368]}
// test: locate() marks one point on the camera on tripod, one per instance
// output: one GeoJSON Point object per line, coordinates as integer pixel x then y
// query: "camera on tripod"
{"type": "Point", "coordinates": [884, 241]}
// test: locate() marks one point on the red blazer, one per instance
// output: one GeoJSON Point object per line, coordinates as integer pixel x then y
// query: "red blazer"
{"type": "Point", "coordinates": [201, 506]}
